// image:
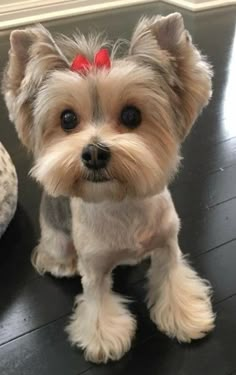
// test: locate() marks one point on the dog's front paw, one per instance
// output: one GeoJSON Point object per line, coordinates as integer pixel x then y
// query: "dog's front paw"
{"type": "Point", "coordinates": [104, 332]}
{"type": "Point", "coordinates": [183, 309]}
{"type": "Point", "coordinates": [45, 263]}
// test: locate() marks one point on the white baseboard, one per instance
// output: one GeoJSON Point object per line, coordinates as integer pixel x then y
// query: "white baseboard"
{"type": "Point", "coordinates": [200, 5]}
{"type": "Point", "coordinates": [25, 12]}
{"type": "Point", "coordinates": [32, 11]}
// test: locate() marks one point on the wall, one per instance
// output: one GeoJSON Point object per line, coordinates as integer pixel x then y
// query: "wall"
{"type": "Point", "coordinates": [14, 13]}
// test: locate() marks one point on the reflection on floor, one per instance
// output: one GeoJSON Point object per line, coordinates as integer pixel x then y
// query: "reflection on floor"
{"type": "Point", "coordinates": [34, 310]}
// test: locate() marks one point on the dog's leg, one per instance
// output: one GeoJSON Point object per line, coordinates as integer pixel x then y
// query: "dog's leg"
{"type": "Point", "coordinates": [101, 324]}
{"type": "Point", "coordinates": [55, 253]}
{"type": "Point", "coordinates": [179, 300]}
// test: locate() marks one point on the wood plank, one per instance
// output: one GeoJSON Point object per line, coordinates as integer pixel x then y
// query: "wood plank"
{"type": "Point", "coordinates": [30, 306]}
{"type": "Point", "coordinates": [159, 355]}
{"type": "Point", "coordinates": [200, 162]}
{"type": "Point", "coordinates": [218, 267]}
{"type": "Point", "coordinates": [200, 194]}
{"type": "Point", "coordinates": [211, 229]}
{"type": "Point", "coordinates": [43, 352]}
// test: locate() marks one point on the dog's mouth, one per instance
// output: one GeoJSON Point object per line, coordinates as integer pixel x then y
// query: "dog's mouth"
{"type": "Point", "coordinates": [97, 177]}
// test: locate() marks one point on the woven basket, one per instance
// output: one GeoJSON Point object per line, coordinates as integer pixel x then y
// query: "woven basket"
{"type": "Point", "coordinates": [8, 189]}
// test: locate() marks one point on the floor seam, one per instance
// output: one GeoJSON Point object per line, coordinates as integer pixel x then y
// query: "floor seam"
{"type": "Point", "coordinates": [224, 299]}
{"type": "Point", "coordinates": [232, 373]}
{"type": "Point", "coordinates": [208, 173]}
{"type": "Point", "coordinates": [212, 249]}
{"type": "Point", "coordinates": [85, 371]}
{"type": "Point", "coordinates": [179, 183]}
{"type": "Point", "coordinates": [34, 329]}
{"type": "Point", "coordinates": [218, 203]}
{"type": "Point", "coordinates": [200, 213]}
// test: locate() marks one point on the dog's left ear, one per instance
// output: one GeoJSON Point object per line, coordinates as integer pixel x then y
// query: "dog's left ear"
{"type": "Point", "coordinates": [163, 44]}
{"type": "Point", "coordinates": [32, 56]}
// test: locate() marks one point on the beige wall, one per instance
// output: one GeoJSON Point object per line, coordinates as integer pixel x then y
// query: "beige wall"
{"type": "Point", "coordinates": [22, 12]}
{"type": "Point", "coordinates": [8, 2]}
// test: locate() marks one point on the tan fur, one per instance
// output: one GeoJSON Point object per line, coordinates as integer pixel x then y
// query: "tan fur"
{"type": "Point", "coordinates": [33, 53]}
{"type": "Point", "coordinates": [130, 215]}
{"type": "Point", "coordinates": [186, 72]}
{"type": "Point", "coordinates": [127, 147]}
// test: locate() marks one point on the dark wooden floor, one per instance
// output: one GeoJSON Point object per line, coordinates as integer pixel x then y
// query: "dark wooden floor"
{"type": "Point", "coordinates": [34, 310]}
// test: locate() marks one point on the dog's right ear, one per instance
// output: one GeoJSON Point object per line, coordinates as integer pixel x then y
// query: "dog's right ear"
{"type": "Point", "coordinates": [20, 41]}
{"type": "Point", "coordinates": [33, 54]}
{"type": "Point", "coordinates": [164, 44]}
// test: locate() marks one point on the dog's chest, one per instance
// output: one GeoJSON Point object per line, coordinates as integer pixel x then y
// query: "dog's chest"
{"type": "Point", "coordinates": [113, 225]}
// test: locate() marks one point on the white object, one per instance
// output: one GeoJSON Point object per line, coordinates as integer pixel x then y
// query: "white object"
{"type": "Point", "coordinates": [8, 189]}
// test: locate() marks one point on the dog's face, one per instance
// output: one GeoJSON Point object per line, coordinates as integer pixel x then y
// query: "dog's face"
{"type": "Point", "coordinates": [112, 131]}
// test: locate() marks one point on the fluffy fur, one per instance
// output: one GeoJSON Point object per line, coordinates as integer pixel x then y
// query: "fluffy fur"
{"type": "Point", "coordinates": [92, 221]}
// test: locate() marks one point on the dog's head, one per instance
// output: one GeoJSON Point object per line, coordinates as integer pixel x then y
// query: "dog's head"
{"type": "Point", "coordinates": [108, 129]}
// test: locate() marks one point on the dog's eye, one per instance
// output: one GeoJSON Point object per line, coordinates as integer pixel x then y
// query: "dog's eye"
{"type": "Point", "coordinates": [69, 120]}
{"type": "Point", "coordinates": [131, 117]}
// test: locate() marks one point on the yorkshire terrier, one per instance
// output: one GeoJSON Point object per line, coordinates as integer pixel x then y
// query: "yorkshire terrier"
{"type": "Point", "coordinates": [105, 133]}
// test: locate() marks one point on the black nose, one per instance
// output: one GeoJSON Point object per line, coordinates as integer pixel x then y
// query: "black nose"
{"type": "Point", "coordinates": [96, 156]}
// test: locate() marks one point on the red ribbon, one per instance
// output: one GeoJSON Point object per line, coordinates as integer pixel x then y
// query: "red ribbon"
{"type": "Point", "coordinates": [82, 65]}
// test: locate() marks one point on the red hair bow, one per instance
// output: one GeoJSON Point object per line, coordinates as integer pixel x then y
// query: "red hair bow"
{"type": "Point", "coordinates": [81, 64]}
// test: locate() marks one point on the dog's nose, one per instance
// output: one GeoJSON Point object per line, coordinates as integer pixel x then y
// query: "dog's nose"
{"type": "Point", "coordinates": [96, 156]}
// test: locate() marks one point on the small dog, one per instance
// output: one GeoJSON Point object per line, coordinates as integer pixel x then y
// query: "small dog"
{"type": "Point", "coordinates": [105, 133]}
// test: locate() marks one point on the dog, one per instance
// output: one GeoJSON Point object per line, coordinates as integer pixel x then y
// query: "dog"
{"type": "Point", "coordinates": [105, 130]}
